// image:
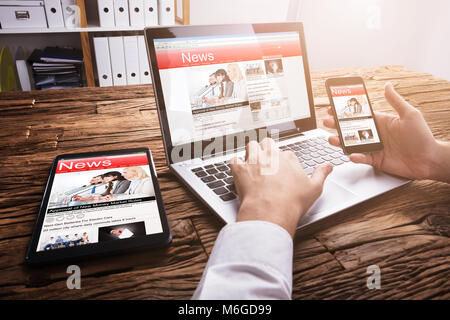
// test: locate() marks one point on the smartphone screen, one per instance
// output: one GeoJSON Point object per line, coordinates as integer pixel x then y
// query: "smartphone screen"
{"type": "Point", "coordinates": [354, 114]}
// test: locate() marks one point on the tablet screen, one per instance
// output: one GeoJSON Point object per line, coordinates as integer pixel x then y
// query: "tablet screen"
{"type": "Point", "coordinates": [98, 199]}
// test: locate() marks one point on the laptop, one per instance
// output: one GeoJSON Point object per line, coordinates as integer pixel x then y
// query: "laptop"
{"type": "Point", "coordinates": [219, 86]}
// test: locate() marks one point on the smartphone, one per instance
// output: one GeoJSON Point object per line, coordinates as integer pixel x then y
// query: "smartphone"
{"type": "Point", "coordinates": [353, 114]}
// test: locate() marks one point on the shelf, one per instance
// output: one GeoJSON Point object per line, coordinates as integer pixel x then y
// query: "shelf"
{"type": "Point", "coordinates": [86, 32]}
{"type": "Point", "coordinates": [69, 30]}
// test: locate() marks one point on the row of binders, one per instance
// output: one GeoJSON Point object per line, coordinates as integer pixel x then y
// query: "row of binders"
{"type": "Point", "coordinates": [121, 61]}
{"type": "Point", "coordinates": [61, 13]}
{"type": "Point", "coordinates": [142, 13]}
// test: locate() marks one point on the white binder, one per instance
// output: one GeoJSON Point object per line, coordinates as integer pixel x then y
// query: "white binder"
{"type": "Point", "coordinates": [103, 61]}
{"type": "Point", "coordinates": [118, 69]}
{"type": "Point", "coordinates": [130, 44]}
{"type": "Point", "coordinates": [106, 13]}
{"type": "Point", "coordinates": [121, 14]}
{"type": "Point", "coordinates": [166, 12]}
{"type": "Point", "coordinates": [71, 13]}
{"type": "Point", "coordinates": [151, 12]}
{"type": "Point", "coordinates": [144, 66]}
{"type": "Point", "coordinates": [136, 8]}
{"type": "Point", "coordinates": [54, 14]}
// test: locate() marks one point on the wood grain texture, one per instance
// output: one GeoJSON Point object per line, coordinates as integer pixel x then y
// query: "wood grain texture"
{"type": "Point", "coordinates": [86, 46]}
{"type": "Point", "coordinates": [405, 232]}
{"type": "Point", "coordinates": [87, 59]}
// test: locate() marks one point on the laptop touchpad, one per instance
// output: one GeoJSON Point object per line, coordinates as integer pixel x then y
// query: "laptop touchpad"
{"type": "Point", "coordinates": [364, 181]}
{"type": "Point", "coordinates": [334, 198]}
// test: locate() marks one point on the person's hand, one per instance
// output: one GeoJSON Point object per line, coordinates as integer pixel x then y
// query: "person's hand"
{"type": "Point", "coordinates": [273, 187]}
{"type": "Point", "coordinates": [80, 198]}
{"type": "Point", "coordinates": [409, 145]}
{"type": "Point", "coordinates": [117, 232]}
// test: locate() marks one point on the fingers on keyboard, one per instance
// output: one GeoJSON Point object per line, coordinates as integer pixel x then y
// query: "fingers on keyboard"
{"type": "Point", "coordinates": [311, 153]}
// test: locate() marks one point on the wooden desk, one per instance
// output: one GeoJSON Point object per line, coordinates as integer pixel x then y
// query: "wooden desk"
{"type": "Point", "coordinates": [405, 232]}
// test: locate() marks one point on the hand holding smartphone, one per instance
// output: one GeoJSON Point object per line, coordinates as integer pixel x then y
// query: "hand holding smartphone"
{"type": "Point", "coordinates": [353, 114]}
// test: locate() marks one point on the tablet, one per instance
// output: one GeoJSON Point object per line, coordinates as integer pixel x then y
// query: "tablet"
{"type": "Point", "coordinates": [99, 203]}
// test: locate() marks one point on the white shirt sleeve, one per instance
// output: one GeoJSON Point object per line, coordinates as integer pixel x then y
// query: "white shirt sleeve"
{"type": "Point", "coordinates": [250, 260]}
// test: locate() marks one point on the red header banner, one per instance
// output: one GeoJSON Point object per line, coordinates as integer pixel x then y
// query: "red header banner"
{"type": "Point", "coordinates": [99, 163]}
{"type": "Point", "coordinates": [347, 91]}
{"type": "Point", "coordinates": [190, 57]}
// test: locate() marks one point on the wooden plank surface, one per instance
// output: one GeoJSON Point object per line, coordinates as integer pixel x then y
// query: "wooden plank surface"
{"type": "Point", "coordinates": [405, 232]}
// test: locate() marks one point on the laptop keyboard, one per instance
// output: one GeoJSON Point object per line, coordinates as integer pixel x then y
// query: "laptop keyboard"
{"type": "Point", "coordinates": [311, 153]}
{"type": "Point", "coordinates": [218, 178]}
{"type": "Point", "coordinates": [316, 151]}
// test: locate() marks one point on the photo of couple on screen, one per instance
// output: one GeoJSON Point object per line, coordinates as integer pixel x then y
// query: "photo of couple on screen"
{"type": "Point", "coordinates": [219, 85]}
{"type": "Point", "coordinates": [87, 187]}
{"type": "Point", "coordinates": [352, 107]}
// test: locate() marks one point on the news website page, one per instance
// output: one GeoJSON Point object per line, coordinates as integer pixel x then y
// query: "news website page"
{"type": "Point", "coordinates": [100, 199]}
{"type": "Point", "coordinates": [220, 85]}
{"type": "Point", "coordinates": [354, 115]}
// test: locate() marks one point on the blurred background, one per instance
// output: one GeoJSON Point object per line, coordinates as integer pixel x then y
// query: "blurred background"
{"type": "Point", "coordinates": [352, 33]}
{"type": "Point", "coordinates": [339, 34]}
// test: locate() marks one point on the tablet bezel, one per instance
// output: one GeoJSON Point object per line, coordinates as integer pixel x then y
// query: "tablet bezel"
{"type": "Point", "coordinates": [96, 249]}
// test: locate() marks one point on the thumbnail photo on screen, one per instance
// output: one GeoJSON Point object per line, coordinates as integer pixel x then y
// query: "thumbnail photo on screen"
{"type": "Point", "coordinates": [274, 67]}
{"type": "Point", "coordinates": [217, 85]}
{"type": "Point", "coordinates": [123, 231]}
{"type": "Point", "coordinates": [87, 187]}
{"type": "Point", "coordinates": [352, 107]}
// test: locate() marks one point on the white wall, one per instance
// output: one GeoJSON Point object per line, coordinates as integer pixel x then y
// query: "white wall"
{"type": "Point", "coordinates": [434, 54]}
{"type": "Point", "coordinates": [352, 33]}
{"type": "Point", "coordinates": [237, 11]}
{"type": "Point", "coordinates": [412, 33]}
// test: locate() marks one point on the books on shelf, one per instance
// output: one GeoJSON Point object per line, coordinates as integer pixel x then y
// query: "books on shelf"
{"type": "Point", "coordinates": [55, 68]}
{"type": "Point", "coordinates": [62, 55]}
{"type": "Point", "coordinates": [121, 61]}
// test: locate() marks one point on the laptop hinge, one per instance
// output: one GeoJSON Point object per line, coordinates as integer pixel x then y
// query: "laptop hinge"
{"type": "Point", "coordinates": [291, 134]}
{"type": "Point", "coordinates": [220, 154]}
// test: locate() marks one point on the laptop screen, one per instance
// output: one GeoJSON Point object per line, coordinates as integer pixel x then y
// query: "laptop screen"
{"type": "Point", "coordinates": [221, 85]}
